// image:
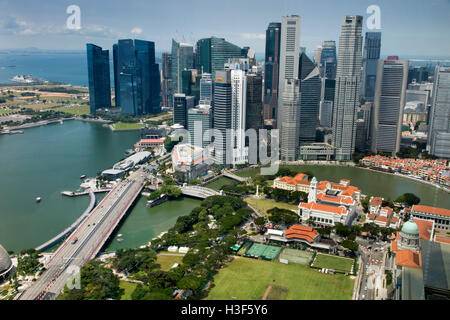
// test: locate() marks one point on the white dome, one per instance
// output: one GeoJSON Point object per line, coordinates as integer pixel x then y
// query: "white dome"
{"type": "Point", "coordinates": [5, 261]}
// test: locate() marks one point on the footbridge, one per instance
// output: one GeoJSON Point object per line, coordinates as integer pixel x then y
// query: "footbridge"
{"type": "Point", "coordinates": [199, 192]}
{"type": "Point", "coordinates": [231, 175]}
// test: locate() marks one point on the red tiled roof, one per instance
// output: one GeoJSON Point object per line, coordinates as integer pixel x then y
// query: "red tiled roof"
{"type": "Point", "coordinates": [431, 210]}
{"type": "Point", "coordinates": [407, 258]}
{"type": "Point", "coordinates": [425, 228]}
{"type": "Point", "coordinates": [297, 231]}
{"type": "Point", "coordinates": [152, 140]}
{"type": "Point", "coordinates": [376, 201]}
{"type": "Point", "coordinates": [324, 208]}
{"type": "Point", "coordinates": [444, 240]}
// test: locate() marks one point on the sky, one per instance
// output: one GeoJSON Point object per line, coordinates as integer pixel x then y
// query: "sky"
{"type": "Point", "coordinates": [409, 27]}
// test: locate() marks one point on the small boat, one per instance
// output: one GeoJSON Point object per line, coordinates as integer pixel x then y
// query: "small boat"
{"type": "Point", "coordinates": [119, 235]}
{"type": "Point", "coordinates": [120, 240]}
{"type": "Point", "coordinates": [38, 199]}
{"type": "Point", "coordinates": [83, 176]}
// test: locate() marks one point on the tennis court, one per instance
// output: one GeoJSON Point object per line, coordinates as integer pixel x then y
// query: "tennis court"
{"type": "Point", "coordinates": [258, 250]}
{"type": "Point", "coordinates": [244, 248]}
{"type": "Point", "coordinates": [297, 256]}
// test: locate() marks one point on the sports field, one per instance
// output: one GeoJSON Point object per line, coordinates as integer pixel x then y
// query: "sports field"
{"type": "Point", "coordinates": [262, 205]}
{"type": "Point", "coordinates": [166, 262]}
{"type": "Point", "coordinates": [333, 262]}
{"type": "Point", "coordinates": [297, 256]}
{"type": "Point", "coordinates": [249, 279]}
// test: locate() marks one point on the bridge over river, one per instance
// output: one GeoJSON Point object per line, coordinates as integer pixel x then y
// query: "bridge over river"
{"type": "Point", "coordinates": [86, 241]}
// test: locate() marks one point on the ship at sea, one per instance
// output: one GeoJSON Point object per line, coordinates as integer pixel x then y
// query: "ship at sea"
{"type": "Point", "coordinates": [27, 79]}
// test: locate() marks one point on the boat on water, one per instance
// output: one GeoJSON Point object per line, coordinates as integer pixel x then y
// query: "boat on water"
{"type": "Point", "coordinates": [38, 199]}
{"type": "Point", "coordinates": [83, 176]}
{"type": "Point", "coordinates": [119, 235]}
{"type": "Point", "coordinates": [120, 239]}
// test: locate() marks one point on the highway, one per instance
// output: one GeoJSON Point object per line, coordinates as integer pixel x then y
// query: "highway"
{"type": "Point", "coordinates": [91, 235]}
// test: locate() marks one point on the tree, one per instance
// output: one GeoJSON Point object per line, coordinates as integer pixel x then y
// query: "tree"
{"type": "Point", "coordinates": [352, 245]}
{"type": "Point", "coordinates": [97, 283]}
{"type": "Point", "coordinates": [190, 282]}
{"type": "Point", "coordinates": [409, 199]}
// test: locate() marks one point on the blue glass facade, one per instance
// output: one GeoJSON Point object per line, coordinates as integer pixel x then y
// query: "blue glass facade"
{"type": "Point", "coordinates": [371, 54]}
{"type": "Point", "coordinates": [99, 81]}
{"type": "Point", "coordinates": [328, 60]}
{"type": "Point", "coordinates": [138, 78]}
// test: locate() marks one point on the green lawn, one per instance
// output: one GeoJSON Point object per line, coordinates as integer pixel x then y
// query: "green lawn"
{"type": "Point", "coordinates": [77, 110]}
{"type": "Point", "coordinates": [127, 126]}
{"type": "Point", "coordinates": [246, 278]}
{"type": "Point", "coordinates": [167, 262]}
{"type": "Point", "coordinates": [262, 205]}
{"type": "Point", "coordinates": [128, 287]}
{"type": "Point", "coordinates": [333, 262]}
{"type": "Point", "coordinates": [219, 183]}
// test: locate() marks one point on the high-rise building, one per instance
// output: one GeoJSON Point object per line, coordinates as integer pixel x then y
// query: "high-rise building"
{"type": "Point", "coordinates": [182, 59]}
{"type": "Point", "coordinates": [139, 77]}
{"type": "Point", "coordinates": [372, 47]}
{"type": "Point", "coordinates": [328, 60]}
{"type": "Point", "coordinates": [326, 113]}
{"type": "Point", "coordinates": [166, 79]}
{"type": "Point", "coordinates": [206, 88]}
{"type": "Point", "coordinates": [214, 53]}
{"type": "Point", "coordinates": [99, 78]}
{"type": "Point", "coordinates": [186, 82]}
{"type": "Point", "coordinates": [181, 105]}
{"type": "Point", "coordinates": [310, 88]}
{"type": "Point", "coordinates": [348, 78]}
{"type": "Point", "coordinates": [222, 116]}
{"type": "Point", "coordinates": [238, 116]}
{"type": "Point", "coordinates": [318, 55]}
{"type": "Point", "coordinates": [254, 113]}
{"type": "Point", "coordinates": [390, 92]}
{"type": "Point", "coordinates": [272, 67]}
{"type": "Point", "coordinates": [199, 122]}
{"type": "Point", "coordinates": [439, 124]}
{"type": "Point", "coordinates": [288, 117]}
{"type": "Point", "coordinates": [363, 127]}
{"type": "Point", "coordinates": [116, 74]}
{"type": "Point", "coordinates": [418, 74]}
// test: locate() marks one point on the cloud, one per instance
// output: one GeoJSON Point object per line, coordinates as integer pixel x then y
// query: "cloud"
{"type": "Point", "coordinates": [259, 36]}
{"type": "Point", "coordinates": [136, 30]}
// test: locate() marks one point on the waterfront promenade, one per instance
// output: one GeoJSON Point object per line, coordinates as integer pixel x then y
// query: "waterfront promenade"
{"type": "Point", "coordinates": [87, 240]}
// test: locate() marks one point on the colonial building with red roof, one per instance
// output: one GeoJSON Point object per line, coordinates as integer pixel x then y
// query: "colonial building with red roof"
{"type": "Point", "coordinates": [440, 216]}
{"type": "Point", "coordinates": [326, 208]}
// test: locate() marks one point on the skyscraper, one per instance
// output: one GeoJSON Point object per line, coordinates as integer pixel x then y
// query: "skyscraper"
{"type": "Point", "coordinates": [182, 59]}
{"type": "Point", "coordinates": [390, 91]}
{"type": "Point", "coordinates": [116, 74]}
{"type": "Point", "coordinates": [254, 113]}
{"type": "Point", "coordinates": [238, 115]}
{"type": "Point", "coordinates": [272, 67]}
{"type": "Point", "coordinates": [199, 122]}
{"type": "Point", "coordinates": [139, 78]}
{"type": "Point", "coordinates": [328, 60]}
{"type": "Point", "coordinates": [310, 87]}
{"type": "Point", "coordinates": [288, 118]}
{"type": "Point", "coordinates": [181, 105]}
{"type": "Point", "coordinates": [214, 53]}
{"type": "Point", "coordinates": [439, 125]}
{"type": "Point", "coordinates": [348, 78]}
{"type": "Point", "coordinates": [206, 88]}
{"type": "Point", "coordinates": [372, 47]}
{"type": "Point", "coordinates": [166, 75]}
{"type": "Point", "coordinates": [222, 116]}
{"type": "Point", "coordinates": [99, 78]}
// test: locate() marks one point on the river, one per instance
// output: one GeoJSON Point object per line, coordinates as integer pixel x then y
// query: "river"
{"type": "Point", "coordinates": [46, 160]}
{"type": "Point", "coordinates": [373, 183]}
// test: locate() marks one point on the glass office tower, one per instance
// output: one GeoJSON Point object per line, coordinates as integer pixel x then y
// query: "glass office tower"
{"type": "Point", "coordinates": [371, 54]}
{"type": "Point", "coordinates": [99, 78]}
{"type": "Point", "coordinates": [272, 69]}
{"type": "Point", "coordinates": [328, 60]}
{"type": "Point", "coordinates": [138, 78]}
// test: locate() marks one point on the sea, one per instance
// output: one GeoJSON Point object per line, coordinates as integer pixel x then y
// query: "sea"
{"type": "Point", "coordinates": [71, 66]}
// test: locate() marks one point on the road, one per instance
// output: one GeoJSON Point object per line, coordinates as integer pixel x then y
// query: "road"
{"type": "Point", "coordinates": [371, 285]}
{"type": "Point", "coordinates": [91, 235]}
